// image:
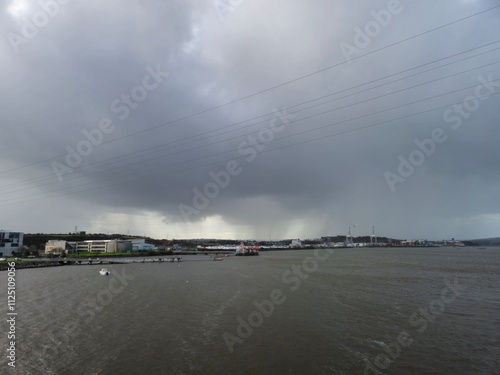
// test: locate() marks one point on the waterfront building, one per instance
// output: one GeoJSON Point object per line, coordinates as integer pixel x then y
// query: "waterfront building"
{"type": "Point", "coordinates": [103, 246]}
{"type": "Point", "coordinates": [59, 247]}
{"type": "Point", "coordinates": [10, 242]}
{"type": "Point", "coordinates": [139, 244]}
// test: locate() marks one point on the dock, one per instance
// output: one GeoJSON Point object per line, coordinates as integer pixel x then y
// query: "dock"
{"type": "Point", "coordinates": [39, 263]}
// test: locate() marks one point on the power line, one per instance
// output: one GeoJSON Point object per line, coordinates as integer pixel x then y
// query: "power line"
{"type": "Point", "coordinates": [302, 119]}
{"type": "Point", "coordinates": [108, 161]}
{"type": "Point", "coordinates": [277, 148]}
{"type": "Point", "coordinates": [272, 87]}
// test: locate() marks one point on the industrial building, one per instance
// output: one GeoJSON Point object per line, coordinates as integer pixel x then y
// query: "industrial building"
{"type": "Point", "coordinates": [139, 244]}
{"type": "Point", "coordinates": [103, 246]}
{"type": "Point", "coordinates": [58, 247]}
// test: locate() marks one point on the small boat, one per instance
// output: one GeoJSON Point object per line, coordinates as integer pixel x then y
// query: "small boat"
{"type": "Point", "coordinates": [104, 272]}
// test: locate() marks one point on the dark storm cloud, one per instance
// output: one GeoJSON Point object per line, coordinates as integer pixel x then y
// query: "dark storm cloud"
{"type": "Point", "coordinates": [65, 80]}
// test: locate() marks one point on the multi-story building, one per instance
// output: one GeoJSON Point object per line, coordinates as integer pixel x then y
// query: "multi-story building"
{"type": "Point", "coordinates": [58, 247]}
{"type": "Point", "coordinates": [103, 246]}
{"type": "Point", "coordinates": [139, 244]}
{"type": "Point", "coordinates": [10, 241]}
{"type": "Point", "coordinates": [97, 246]}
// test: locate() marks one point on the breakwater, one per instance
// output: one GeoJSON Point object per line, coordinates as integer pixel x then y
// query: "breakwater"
{"type": "Point", "coordinates": [80, 262]}
{"type": "Point", "coordinates": [29, 264]}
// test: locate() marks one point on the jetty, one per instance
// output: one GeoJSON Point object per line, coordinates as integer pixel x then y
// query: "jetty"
{"type": "Point", "coordinates": [39, 263]}
{"type": "Point", "coordinates": [119, 261]}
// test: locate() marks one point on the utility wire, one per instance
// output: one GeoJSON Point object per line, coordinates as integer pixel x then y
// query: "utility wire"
{"type": "Point", "coordinates": [276, 148]}
{"type": "Point", "coordinates": [272, 87]}
{"type": "Point", "coordinates": [129, 155]}
{"type": "Point", "coordinates": [296, 121]}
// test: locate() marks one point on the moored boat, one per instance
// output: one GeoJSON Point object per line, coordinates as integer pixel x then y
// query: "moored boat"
{"type": "Point", "coordinates": [104, 272]}
{"type": "Point", "coordinates": [243, 250]}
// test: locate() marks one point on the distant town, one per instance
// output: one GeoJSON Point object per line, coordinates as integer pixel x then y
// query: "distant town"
{"type": "Point", "coordinates": [18, 244]}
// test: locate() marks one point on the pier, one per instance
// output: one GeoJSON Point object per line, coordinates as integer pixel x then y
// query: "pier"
{"type": "Point", "coordinates": [79, 262]}
{"type": "Point", "coordinates": [39, 263]}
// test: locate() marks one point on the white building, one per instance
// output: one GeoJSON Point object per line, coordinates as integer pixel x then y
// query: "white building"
{"type": "Point", "coordinates": [97, 246]}
{"type": "Point", "coordinates": [58, 247]}
{"type": "Point", "coordinates": [103, 246]}
{"type": "Point", "coordinates": [10, 241]}
{"type": "Point", "coordinates": [139, 244]}
{"type": "Point", "coordinates": [296, 243]}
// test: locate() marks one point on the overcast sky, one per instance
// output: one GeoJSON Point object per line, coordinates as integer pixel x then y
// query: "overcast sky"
{"type": "Point", "coordinates": [119, 116]}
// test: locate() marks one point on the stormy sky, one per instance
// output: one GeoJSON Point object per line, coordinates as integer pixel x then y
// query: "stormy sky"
{"type": "Point", "coordinates": [251, 119]}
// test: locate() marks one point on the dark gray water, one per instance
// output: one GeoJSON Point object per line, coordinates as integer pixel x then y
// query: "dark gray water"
{"type": "Point", "coordinates": [341, 313]}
